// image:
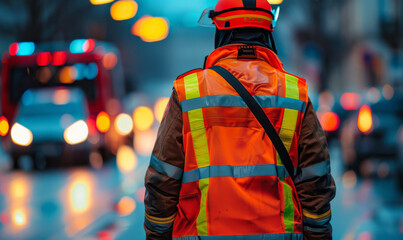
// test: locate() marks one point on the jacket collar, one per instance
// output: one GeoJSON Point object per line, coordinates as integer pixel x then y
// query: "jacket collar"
{"type": "Point", "coordinates": [231, 52]}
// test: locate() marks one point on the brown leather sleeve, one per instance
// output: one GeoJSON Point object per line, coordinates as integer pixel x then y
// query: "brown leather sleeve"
{"type": "Point", "coordinates": [314, 183]}
{"type": "Point", "coordinates": [163, 177]}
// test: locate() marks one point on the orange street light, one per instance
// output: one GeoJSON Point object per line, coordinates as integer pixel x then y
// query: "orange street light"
{"type": "Point", "coordinates": [123, 10]}
{"type": "Point", "coordinates": [151, 29]}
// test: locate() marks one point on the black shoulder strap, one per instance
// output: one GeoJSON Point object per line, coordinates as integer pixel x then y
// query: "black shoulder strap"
{"type": "Point", "coordinates": [260, 116]}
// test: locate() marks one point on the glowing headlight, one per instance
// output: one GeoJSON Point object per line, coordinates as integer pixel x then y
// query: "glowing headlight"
{"type": "Point", "coordinates": [76, 133]}
{"type": "Point", "coordinates": [21, 135]}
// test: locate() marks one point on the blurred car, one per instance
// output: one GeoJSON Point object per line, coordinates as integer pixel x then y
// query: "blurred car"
{"type": "Point", "coordinates": [371, 134]}
{"type": "Point", "coordinates": [91, 66]}
{"type": "Point", "coordinates": [50, 124]}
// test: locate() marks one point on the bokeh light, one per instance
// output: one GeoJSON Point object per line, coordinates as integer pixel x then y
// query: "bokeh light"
{"type": "Point", "coordinates": [61, 96]}
{"type": "Point", "coordinates": [21, 135]}
{"type": "Point", "coordinates": [364, 236]}
{"type": "Point", "coordinates": [25, 48]}
{"type": "Point", "coordinates": [126, 206]}
{"type": "Point", "coordinates": [144, 142]}
{"type": "Point", "coordinates": [103, 122]}
{"type": "Point", "coordinates": [13, 50]}
{"type": "Point", "coordinates": [19, 188]}
{"type": "Point", "coordinates": [349, 236]}
{"type": "Point", "coordinates": [89, 45]}
{"type": "Point", "coordinates": [330, 121]}
{"type": "Point", "coordinates": [104, 235]}
{"type": "Point", "coordinates": [44, 75]}
{"type": "Point", "coordinates": [4, 219]}
{"type": "Point", "coordinates": [80, 192]}
{"type": "Point", "coordinates": [91, 71]}
{"type": "Point", "coordinates": [43, 59]}
{"type": "Point", "coordinates": [326, 98]}
{"type": "Point", "coordinates": [19, 217]}
{"type": "Point", "coordinates": [126, 159]}
{"type": "Point", "coordinates": [100, 2]}
{"type": "Point", "coordinates": [349, 179]}
{"type": "Point", "coordinates": [350, 101]}
{"type": "Point", "coordinates": [159, 108]}
{"type": "Point", "coordinates": [388, 92]}
{"type": "Point", "coordinates": [110, 60]}
{"type": "Point", "coordinates": [59, 58]}
{"type": "Point", "coordinates": [124, 124]}
{"type": "Point", "coordinates": [68, 75]}
{"type": "Point", "coordinates": [4, 126]}
{"type": "Point", "coordinates": [364, 122]}
{"type": "Point", "coordinates": [373, 95]}
{"type": "Point", "coordinates": [76, 133]}
{"type": "Point", "coordinates": [143, 118]}
{"type": "Point", "coordinates": [123, 10]}
{"type": "Point", "coordinates": [151, 29]}
{"type": "Point", "coordinates": [80, 195]}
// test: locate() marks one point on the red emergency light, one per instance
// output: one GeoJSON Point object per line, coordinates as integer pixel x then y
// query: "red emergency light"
{"type": "Point", "coordinates": [44, 59]}
{"type": "Point", "coordinates": [14, 49]}
{"type": "Point", "coordinates": [89, 45]}
{"type": "Point", "coordinates": [59, 58]}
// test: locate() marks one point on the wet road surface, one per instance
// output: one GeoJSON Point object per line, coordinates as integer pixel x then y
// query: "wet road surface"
{"type": "Point", "coordinates": [107, 203]}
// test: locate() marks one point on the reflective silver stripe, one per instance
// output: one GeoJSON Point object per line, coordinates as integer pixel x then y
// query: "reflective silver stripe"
{"type": "Point", "coordinates": [317, 170]}
{"type": "Point", "coordinates": [313, 222]}
{"type": "Point", "coordinates": [276, 236]}
{"type": "Point", "coordinates": [236, 101]}
{"type": "Point", "coordinates": [234, 171]}
{"type": "Point", "coordinates": [166, 168]}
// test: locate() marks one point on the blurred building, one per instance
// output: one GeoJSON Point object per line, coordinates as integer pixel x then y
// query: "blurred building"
{"type": "Point", "coordinates": [338, 45]}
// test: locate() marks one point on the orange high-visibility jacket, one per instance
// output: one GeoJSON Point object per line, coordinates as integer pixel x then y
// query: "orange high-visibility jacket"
{"type": "Point", "coordinates": [234, 185]}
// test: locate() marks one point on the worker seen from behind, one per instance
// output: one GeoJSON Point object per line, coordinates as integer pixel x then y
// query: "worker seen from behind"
{"type": "Point", "coordinates": [240, 153]}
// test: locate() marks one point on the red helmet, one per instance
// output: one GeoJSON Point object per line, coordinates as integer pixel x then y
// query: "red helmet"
{"type": "Point", "coordinates": [230, 14]}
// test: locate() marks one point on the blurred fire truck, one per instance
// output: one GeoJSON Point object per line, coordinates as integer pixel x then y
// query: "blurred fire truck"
{"type": "Point", "coordinates": [61, 102]}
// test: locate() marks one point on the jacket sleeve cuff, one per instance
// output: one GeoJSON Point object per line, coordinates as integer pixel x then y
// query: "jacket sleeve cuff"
{"type": "Point", "coordinates": [317, 233]}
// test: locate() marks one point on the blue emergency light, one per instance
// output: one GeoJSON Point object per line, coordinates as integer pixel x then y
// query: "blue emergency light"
{"type": "Point", "coordinates": [25, 48]}
{"type": "Point", "coordinates": [77, 46]}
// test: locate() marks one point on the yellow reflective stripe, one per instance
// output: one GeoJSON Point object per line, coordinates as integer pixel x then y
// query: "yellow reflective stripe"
{"type": "Point", "coordinates": [292, 90]}
{"type": "Point", "coordinates": [192, 86]}
{"type": "Point", "coordinates": [160, 220]}
{"type": "Point", "coordinates": [200, 141]}
{"type": "Point", "coordinates": [201, 221]}
{"type": "Point", "coordinates": [316, 216]}
{"type": "Point", "coordinates": [198, 131]}
{"type": "Point", "coordinates": [286, 134]}
{"type": "Point", "coordinates": [288, 127]}
{"type": "Point", "coordinates": [243, 16]}
{"type": "Point", "coordinates": [288, 215]}
{"type": "Point", "coordinates": [290, 116]}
